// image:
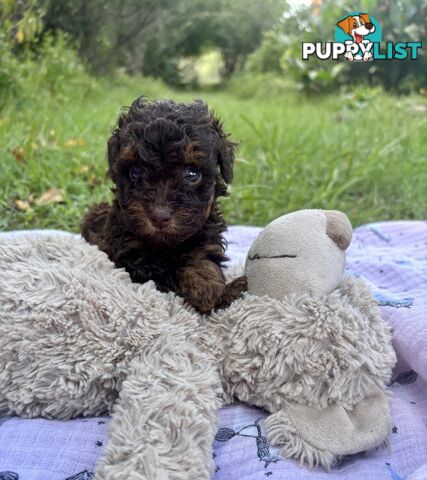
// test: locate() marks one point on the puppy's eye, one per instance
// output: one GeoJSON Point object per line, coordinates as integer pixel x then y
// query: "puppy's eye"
{"type": "Point", "coordinates": [192, 175]}
{"type": "Point", "coordinates": [135, 174]}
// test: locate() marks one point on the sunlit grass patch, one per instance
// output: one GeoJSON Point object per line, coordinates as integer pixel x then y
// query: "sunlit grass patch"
{"type": "Point", "coordinates": [364, 153]}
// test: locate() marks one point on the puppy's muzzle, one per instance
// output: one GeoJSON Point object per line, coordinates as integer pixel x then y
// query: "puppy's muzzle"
{"type": "Point", "coordinates": [160, 216]}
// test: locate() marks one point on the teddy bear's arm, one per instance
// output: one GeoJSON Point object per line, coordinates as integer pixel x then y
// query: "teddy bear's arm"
{"type": "Point", "coordinates": [164, 421]}
{"type": "Point", "coordinates": [321, 436]}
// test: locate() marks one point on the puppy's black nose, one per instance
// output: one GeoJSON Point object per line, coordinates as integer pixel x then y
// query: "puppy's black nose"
{"type": "Point", "coordinates": [160, 216]}
{"type": "Point", "coordinates": [369, 26]}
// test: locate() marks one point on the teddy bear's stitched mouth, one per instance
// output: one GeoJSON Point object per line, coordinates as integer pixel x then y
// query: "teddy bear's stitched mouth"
{"type": "Point", "coordinates": [258, 257]}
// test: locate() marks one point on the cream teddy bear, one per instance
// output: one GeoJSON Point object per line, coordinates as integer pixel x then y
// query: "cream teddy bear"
{"type": "Point", "coordinates": [307, 345]}
{"type": "Point", "coordinates": [78, 338]}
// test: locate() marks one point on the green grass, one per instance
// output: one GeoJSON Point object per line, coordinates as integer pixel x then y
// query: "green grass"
{"type": "Point", "coordinates": [365, 153]}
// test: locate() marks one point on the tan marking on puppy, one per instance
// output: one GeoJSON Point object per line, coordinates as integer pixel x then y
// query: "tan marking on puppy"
{"type": "Point", "coordinates": [193, 156]}
{"type": "Point", "coordinates": [127, 153]}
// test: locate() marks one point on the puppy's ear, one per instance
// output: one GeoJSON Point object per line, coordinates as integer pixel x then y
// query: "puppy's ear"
{"type": "Point", "coordinates": [113, 145]}
{"type": "Point", "coordinates": [113, 150]}
{"type": "Point", "coordinates": [346, 24]}
{"type": "Point", "coordinates": [225, 151]}
{"type": "Point", "coordinates": [365, 17]}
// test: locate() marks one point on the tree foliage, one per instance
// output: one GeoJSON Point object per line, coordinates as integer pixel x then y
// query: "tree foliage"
{"type": "Point", "coordinates": [234, 27]}
{"type": "Point", "coordinates": [150, 36]}
{"type": "Point", "coordinates": [154, 37]}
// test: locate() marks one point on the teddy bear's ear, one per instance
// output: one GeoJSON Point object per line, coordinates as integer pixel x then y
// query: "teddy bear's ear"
{"type": "Point", "coordinates": [338, 228]}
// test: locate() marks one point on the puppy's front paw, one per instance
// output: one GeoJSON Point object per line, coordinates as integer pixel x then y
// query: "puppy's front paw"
{"type": "Point", "coordinates": [201, 288]}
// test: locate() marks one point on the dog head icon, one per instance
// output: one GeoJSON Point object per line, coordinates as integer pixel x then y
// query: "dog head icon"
{"type": "Point", "coordinates": [357, 26]}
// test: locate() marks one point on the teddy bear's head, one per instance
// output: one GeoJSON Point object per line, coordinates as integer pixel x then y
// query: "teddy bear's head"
{"type": "Point", "coordinates": [301, 252]}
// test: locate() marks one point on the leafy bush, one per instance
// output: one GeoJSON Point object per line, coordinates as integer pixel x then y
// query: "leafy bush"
{"type": "Point", "coordinates": [53, 69]}
{"type": "Point", "coordinates": [35, 65]}
{"type": "Point", "coordinates": [151, 36]}
{"type": "Point", "coordinates": [8, 66]}
{"type": "Point", "coordinates": [267, 57]}
{"type": "Point", "coordinates": [312, 76]}
{"type": "Point", "coordinates": [59, 68]}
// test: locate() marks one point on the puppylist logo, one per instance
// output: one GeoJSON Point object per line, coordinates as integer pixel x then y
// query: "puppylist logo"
{"type": "Point", "coordinates": [358, 38]}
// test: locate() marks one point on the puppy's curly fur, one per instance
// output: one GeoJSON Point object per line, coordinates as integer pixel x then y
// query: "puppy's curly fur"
{"type": "Point", "coordinates": [169, 162]}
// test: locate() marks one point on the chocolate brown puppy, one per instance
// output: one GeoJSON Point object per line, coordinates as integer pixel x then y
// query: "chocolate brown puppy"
{"type": "Point", "coordinates": [169, 162]}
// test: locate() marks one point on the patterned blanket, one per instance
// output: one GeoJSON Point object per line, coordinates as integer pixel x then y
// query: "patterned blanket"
{"type": "Point", "coordinates": [392, 256]}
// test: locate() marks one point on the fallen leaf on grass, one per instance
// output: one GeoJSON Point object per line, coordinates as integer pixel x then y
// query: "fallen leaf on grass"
{"type": "Point", "coordinates": [21, 205]}
{"type": "Point", "coordinates": [20, 36]}
{"type": "Point", "coordinates": [53, 195]}
{"type": "Point", "coordinates": [18, 153]}
{"type": "Point", "coordinates": [93, 180]}
{"type": "Point", "coordinates": [87, 171]}
{"type": "Point", "coordinates": [75, 142]}
{"type": "Point", "coordinates": [83, 169]}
